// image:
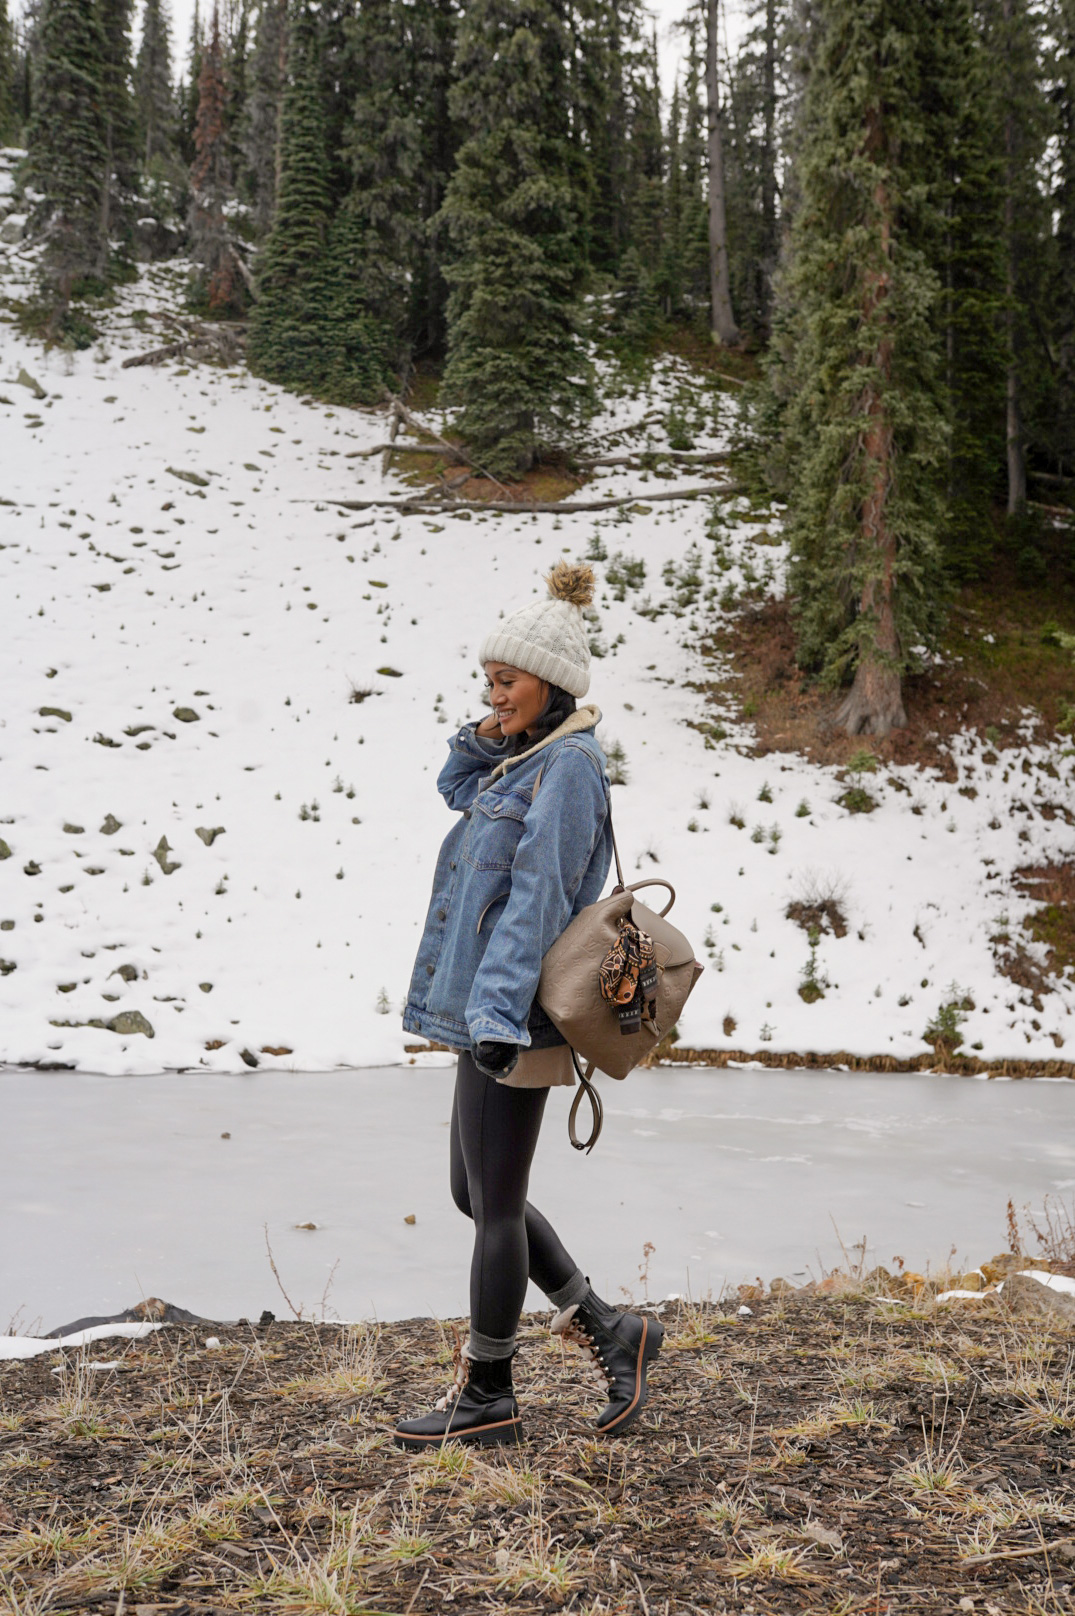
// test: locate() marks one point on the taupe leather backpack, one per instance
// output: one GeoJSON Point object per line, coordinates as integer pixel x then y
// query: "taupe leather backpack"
{"type": "Point", "coordinates": [570, 991]}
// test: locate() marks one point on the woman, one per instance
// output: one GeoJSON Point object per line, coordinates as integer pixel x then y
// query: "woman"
{"type": "Point", "coordinates": [531, 848]}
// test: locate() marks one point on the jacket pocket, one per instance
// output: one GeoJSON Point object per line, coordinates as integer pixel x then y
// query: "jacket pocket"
{"type": "Point", "coordinates": [496, 829]}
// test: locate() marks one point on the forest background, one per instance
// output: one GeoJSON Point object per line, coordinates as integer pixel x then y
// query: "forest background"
{"type": "Point", "coordinates": [868, 207]}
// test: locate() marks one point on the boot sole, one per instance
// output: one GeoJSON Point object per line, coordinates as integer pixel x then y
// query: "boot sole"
{"type": "Point", "coordinates": [502, 1433]}
{"type": "Point", "coordinates": [648, 1348]}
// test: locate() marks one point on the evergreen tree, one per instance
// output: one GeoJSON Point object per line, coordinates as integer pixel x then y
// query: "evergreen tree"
{"type": "Point", "coordinates": [8, 89]}
{"type": "Point", "coordinates": [120, 130]}
{"type": "Point", "coordinates": [969, 256]}
{"type": "Point", "coordinates": [1062, 291]}
{"type": "Point", "coordinates": [236, 32]}
{"type": "Point", "coordinates": [211, 246]}
{"type": "Point", "coordinates": [154, 107]}
{"type": "Point", "coordinates": [514, 362]}
{"type": "Point", "coordinates": [598, 69]}
{"type": "Point", "coordinates": [384, 150]}
{"type": "Point", "coordinates": [66, 161]}
{"type": "Point", "coordinates": [260, 133]}
{"type": "Point", "coordinates": [312, 328]}
{"type": "Point", "coordinates": [755, 91]}
{"type": "Point", "coordinates": [722, 320]}
{"type": "Point", "coordinates": [398, 147]}
{"type": "Point", "coordinates": [189, 90]}
{"type": "Point", "coordinates": [287, 322]}
{"type": "Point", "coordinates": [858, 360]}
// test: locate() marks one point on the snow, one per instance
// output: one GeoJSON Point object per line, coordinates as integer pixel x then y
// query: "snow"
{"type": "Point", "coordinates": [129, 592]}
{"type": "Point", "coordinates": [32, 1346]}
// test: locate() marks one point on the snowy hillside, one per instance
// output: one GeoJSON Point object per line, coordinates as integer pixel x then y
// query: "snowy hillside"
{"type": "Point", "coordinates": [225, 703]}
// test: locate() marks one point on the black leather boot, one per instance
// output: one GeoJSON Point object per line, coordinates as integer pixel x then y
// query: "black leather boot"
{"type": "Point", "coordinates": [622, 1346]}
{"type": "Point", "coordinates": [478, 1407]}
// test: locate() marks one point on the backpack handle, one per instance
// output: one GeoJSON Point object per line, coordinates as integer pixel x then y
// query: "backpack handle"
{"type": "Point", "coordinates": [656, 881]}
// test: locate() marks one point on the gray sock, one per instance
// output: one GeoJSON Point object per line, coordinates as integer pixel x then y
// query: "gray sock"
{"type": "Point", "coordinates": [567, 1295]}
{"type": "Point", "coordinates": [488, 1348]}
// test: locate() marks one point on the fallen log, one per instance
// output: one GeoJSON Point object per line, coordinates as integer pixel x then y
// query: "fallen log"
{"type": "Point", "coordinates": [682, 457]}
{"type": "Point", "coordinates": [421, 506]}
{"type": "Point", "coordinates": [171, 350]}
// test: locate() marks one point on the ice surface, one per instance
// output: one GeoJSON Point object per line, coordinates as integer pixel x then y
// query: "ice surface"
{"type": "Point", "coordinates": [116, 1189]}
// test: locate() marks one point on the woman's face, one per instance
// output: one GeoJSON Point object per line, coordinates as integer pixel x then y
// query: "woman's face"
{"type": "Point", "coordinates": [517, 698]}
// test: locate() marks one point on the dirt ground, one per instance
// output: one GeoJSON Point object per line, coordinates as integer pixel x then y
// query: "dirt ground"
{"type": "Point", "coordinates": [866, 1449]}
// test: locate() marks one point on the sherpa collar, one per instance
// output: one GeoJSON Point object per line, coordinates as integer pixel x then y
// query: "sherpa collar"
{"type": "Point", "coordinates": [582, 718]}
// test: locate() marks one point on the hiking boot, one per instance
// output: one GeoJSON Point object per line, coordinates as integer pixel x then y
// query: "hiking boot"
{"type": "Point", "coordinates": [478, 1407]}
{"type": "Point", "coordinates": [622, 1346]}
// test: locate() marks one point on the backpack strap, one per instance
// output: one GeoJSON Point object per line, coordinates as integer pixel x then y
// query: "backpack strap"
{"type": "Point", "coordinates": [587, 1088]}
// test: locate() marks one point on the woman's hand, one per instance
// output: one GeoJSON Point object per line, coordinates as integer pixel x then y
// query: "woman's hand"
{"type": "Point", "coordinates": [490, 728]}
{"type": "Point", "coordinates": [496, 1060]}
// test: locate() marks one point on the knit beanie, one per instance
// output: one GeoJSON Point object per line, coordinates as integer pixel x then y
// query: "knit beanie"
{"type": "Point", "coordinates": [548, 637]}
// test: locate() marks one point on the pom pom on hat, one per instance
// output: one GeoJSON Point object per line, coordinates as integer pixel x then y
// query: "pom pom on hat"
{"type": "Point", "coordinates": [571, 581]}
{"type": "Point", "coordinates": [548, 637]}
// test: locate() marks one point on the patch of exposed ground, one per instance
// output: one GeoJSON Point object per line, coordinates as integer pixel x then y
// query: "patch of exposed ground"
{"type": "Point", "coordinates": [983, 684]}
{"type": "Point", "coordinates": [1052, 925]}
{"type": "Point", "coordinates": [849, 1451]}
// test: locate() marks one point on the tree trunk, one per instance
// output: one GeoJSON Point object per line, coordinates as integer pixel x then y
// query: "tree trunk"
{"type": "Point", "coordinates": [1013, 412]}
{"type": "Point", "coordinates": [722, 320]}
{"type": "Point", "coordinates": [874, 704]}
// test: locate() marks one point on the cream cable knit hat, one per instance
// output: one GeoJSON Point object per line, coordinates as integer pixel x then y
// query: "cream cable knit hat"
{"type": "Point", "coordinates": [548, 638]}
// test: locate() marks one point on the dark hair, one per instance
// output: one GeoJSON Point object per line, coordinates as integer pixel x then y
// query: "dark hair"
{"type": "Point", "coordinates": [557, 708]}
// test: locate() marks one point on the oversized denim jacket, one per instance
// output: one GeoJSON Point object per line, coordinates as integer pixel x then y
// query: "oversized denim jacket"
{"type": "Point", "coordinates": [532, 846]}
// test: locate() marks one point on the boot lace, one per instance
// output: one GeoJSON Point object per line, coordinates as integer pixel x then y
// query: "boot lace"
{"type": "Point", "coordinates": [573, 1330]}
{"type": "Point", "coordinates": [461, 1366]}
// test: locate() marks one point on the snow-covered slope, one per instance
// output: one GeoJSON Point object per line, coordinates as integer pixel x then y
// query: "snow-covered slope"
{"type": "Point", "coordinates": [181, 592]}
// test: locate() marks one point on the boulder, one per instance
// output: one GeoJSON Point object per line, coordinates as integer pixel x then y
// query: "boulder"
{"type": "Point", "coordinates": [209, 836]}
{"type": "Point", "coordinates": [160, 853]}
{"type": "Point", "coordinates": [130, 1021]}
{"type": "Point", "coordinates": [1030, 1297]}
{"type": "Point", "coordinates": [110, 825]}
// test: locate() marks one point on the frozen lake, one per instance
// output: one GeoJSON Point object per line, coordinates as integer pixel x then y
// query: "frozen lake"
{"type": "Point", "coordinates": [115, 1188]}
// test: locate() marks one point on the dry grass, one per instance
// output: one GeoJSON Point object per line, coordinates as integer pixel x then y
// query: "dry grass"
{"type": "Point", "coordinates": [784, 1459]}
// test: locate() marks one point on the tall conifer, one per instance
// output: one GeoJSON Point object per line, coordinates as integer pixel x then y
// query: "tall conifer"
{"type": "Point", "coordinates": [514, 362]}
{"type": "Point", "coordinates": [8, 90]}
{"type": "Point", "coordinates": [1062, 298]}
{"type": "Point", "coordinates": [260, 131]}
{"type": "Point", "coordinates": [287, 323]}
{"type": "Point", "coordinates": [66, 162]}
{"type": "Point", "coordinates": [210, 184]}
{"type": "Point", "coordinates": [154, 105]}
{"type": "Point", "coordinates": [859, 359]}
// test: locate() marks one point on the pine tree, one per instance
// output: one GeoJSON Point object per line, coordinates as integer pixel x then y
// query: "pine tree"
{"type": "Point", "coordinates": [360, 346]}
{"type": "Point", "coordinates": [154, 107]}
{"type": "Point", "coordinates": [383, 148]}
{"type": "Point", "coordinates": [969, 255]}
{"type": "Point", "coordinates": [120, 130]}
{"type": "Point", "coordinates": [1062, 291]}
{"type": "Point", "coordinates": [210, 185]}
{"type": "Point", "coordinates": [8, 90]}
{"type": "Point", "coordinates": [722, 320]}
{"type": "Point", "coordinates": [66, 161]}
{"type": "Point", "coordinates": [287, 323]}
{"type": "Point", "coordinates": [514, 362]}
{"type": "Point", "coordinates": [260, 129]}
{"type": "Point", "coordinates": [189, 90]}
{"type": "Point", "coordinates": [312, 328]}
{"type": "Point", "coordinates": [598, 78]}
{"type": "Point", "coordinates": [858, 358]}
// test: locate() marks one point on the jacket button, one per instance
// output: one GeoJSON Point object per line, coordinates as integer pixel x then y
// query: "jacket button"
{"type": "Point", "coordinates": [442, 914]}
{"type": "Point", "coordinates": [451, 864]}
{"type": "Point", "coordinates": [430, 969]}
{"type": "Point", "coordinates": [466, 813]}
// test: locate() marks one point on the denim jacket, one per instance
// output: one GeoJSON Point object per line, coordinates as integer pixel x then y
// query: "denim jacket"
{"type": "Point", "coordinates": [532, 846]}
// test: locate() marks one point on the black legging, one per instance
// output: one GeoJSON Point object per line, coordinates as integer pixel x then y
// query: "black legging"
{"type": "Point", "coordinates": [494, 1135]}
